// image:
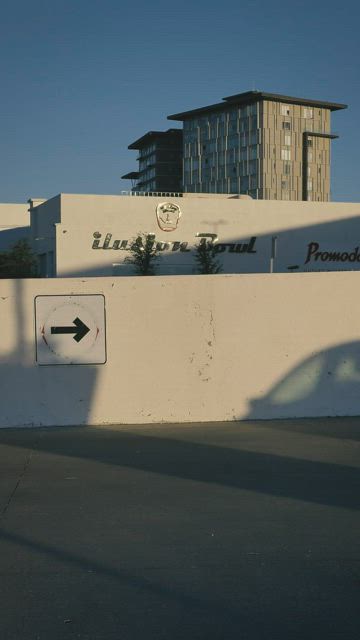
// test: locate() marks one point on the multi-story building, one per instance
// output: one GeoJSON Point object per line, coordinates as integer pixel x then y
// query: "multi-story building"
{"type": "Point", "coordinates": [160, 162]}
{"type": "Point", "coordinates": [266, 145]}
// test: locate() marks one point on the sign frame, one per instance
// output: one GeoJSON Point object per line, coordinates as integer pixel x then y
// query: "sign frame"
{"type": "Point", "coordinates": [37, 327]}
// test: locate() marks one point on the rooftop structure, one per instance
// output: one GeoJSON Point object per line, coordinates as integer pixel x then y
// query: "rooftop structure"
{"type": "Point", "coordinates": [160, 162]}
{"type": "Point", "coordinates": [270, 146]}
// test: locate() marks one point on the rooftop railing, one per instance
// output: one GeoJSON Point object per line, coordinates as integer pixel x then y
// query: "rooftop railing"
{"type": "Point", "coordinates": [152, 194]}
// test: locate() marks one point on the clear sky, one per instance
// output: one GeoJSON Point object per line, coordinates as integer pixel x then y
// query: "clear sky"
{"type": "Point", "coordinates": [80, 80]}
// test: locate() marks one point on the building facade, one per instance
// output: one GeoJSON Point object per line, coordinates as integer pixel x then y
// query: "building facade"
{"type": "Point", "coordinates": [91, 235]}
{"type": "Point", "coordinates": [14, 224]}
{"type": "Point", "coordinates": [269, 146]}
{"type": "Point", "coordinates": [160, 162]}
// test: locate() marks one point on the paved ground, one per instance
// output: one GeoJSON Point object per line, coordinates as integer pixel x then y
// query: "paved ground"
{"type": "Point", "coordinates": [217, 531]}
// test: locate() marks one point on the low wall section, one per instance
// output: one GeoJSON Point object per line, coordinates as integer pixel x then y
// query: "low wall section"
{"type": "Point", "coordinates": [189, 348]}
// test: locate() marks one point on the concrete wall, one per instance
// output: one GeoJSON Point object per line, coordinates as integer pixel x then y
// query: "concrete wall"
{"type": "Point", "coordinates": [14, 224]}
{"type": "Point", "coordinates": [190, 348]}
{"type": "Point", "coordinates": [330, 228]}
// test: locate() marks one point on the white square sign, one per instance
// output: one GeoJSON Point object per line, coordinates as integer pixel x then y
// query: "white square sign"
{"type": "Point", "coordinates": [70, 329]}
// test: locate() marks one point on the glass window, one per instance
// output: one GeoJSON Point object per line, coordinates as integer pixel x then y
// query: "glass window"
{"type": "Point", "coordinates": [244, 139]}
{"type": "Point", "coordinates": [252, 166]}
{"type": "Point", "coordinates": [285, 154]}
{"type": "Point", "coordinates": [243, 153]}
{"type": "Point", "coordinates": [232, 126]}
{"type": "Point", "coordinates": [244, 183]}
{"type": "Point", "coordinates": [234, 185]}
{"type": "Point", "coordinates": [233, 141]}
{"type": "Point", "coordinates": [288, 140]}
{"type": "Point", "coordinates": [308, 113]}
{"type": "Point", "coordinates": [287, 168]}
{"type": "Point", "coordinates": [285, 110]}
{"type": "Point", "coordinates": [286, 125]}
{"type": "Point", "coordinates": [244, 124]}
{"type": "Point", "coordinates": [253, 152]}
{"type": "Point", "coordinates": [253, 122]}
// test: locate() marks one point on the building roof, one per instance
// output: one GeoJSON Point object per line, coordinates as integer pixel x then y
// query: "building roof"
{"type": "Point", "coordinates": [249, 97]}
{"type": "Point", "coordinates": [150, 136]}
{"type": "Point", "coordinates": [133, 175]}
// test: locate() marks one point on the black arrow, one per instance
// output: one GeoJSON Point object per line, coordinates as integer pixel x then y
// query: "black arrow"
{"type": "Point", "coordinates": [80, 329]}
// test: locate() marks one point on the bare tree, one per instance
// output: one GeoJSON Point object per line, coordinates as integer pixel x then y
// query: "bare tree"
{"type": "Point", "coordinates": [144, 254]}
{"type": "Point", "coordinates": [205, 257]}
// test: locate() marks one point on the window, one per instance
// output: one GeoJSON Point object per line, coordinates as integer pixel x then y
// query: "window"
{"type": "Point", "coordinates": [287, 168]}
{"type": "Point", "coordinates": [309, 142]}
{"type": "Point", "coordinates": [244, 184]}
{"type": "Point", "coordinates": [252, 166]}
{"type": "Point", "coordinates": [232, 127]}
{"type": "Point", "coordinates": [309, 184]}
{"type": "Point", "coordinates": [244, 124]}
{"type": "Point", "coordinates": [244, 139]}
{"type": "Point", "coordinates": [233, 185]}
{"type": "Point", "coordinates": [243, 153]}
{"type": "Point", "coordinates": [253, 152]}
{"type": "Point", "coordinates": [285, 110]}
{"type": "Point", "coordinates": [288, 140]}
{"type": "Point", "coordinates": [233, 141]}
{"type": "Point", "coordinates": [310, 156]}
{"type": "Point", "coordinates": [286, 125]}
{"type": "Point", "coordinates": [308, 113]}
{"type": "Point", "coordinates": [285, 154]}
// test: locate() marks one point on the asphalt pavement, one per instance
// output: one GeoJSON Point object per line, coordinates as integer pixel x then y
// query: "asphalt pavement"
{"type": "Point", "coordinates": [246, 530]}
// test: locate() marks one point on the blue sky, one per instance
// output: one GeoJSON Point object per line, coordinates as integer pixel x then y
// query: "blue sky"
{"type": "Point", "coordinates": [82, 80]}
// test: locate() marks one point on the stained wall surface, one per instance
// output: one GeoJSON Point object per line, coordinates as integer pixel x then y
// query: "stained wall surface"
{"type": "Point", "coordinates": [187, 348]}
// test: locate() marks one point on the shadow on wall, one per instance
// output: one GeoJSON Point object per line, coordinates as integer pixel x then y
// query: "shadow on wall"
{"type": "Point", "coordinates": [324, 246]}
{"type": "Point", "coordinates": [8, 237]}
{"type": "Point", "coordinates": [33, 395]}
{"type": "Point", "coordinates": [328, 383]}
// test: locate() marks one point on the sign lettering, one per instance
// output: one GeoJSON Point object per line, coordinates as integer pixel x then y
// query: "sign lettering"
{"type": "Point", "coordinates": [314, 254]}
{"type": "Point", "coordinates": [177, 245]}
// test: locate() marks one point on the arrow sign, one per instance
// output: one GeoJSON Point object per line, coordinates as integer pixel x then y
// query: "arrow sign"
{"type": "Point", "coordinates": [80, 330]}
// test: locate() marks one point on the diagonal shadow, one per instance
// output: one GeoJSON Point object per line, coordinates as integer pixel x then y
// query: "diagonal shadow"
{"type": "Point", "coordinates": [288, 477]}
{"type": "Point", "coordinates": [166, 592]}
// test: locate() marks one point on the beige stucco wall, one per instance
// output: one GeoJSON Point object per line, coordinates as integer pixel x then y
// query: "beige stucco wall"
{"type": "Point", "coordinates": [333, 226]}
{"type": "Point", "coordinates": [14, 224]}
{"type": "Point", "coordinates": [190, 348]}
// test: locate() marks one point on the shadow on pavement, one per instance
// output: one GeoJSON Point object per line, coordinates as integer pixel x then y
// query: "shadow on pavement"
{"type": "Point", "coordinates": [279, 475]}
